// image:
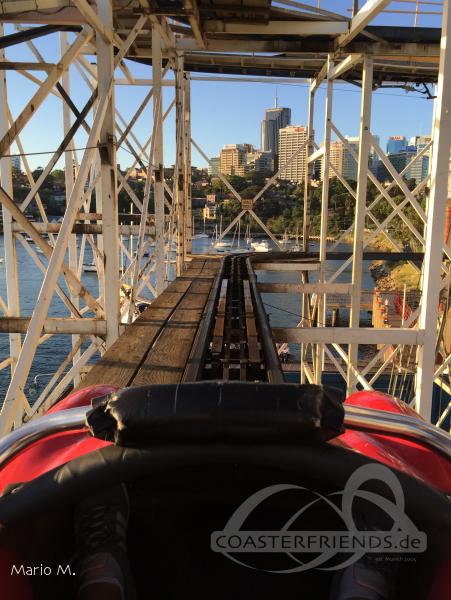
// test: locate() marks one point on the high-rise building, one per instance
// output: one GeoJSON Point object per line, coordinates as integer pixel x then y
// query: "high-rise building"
{"type": "Point", "coordinates": [291, 138]}
{"type": "Point", "coordinates": [214, 165]}
{"type": "Point", "coordinates": [399, 160]}
{"type": "Point", "coordinates": [15, 163]}
{"type": "Point", "coordinates": [275, 119]}
{"type": "Point", "coordinates": [344, 158]}
{"type": "Point", "coordinates": [336, 157]}
{"type": "Point", "coordinates": [262, 162]}
{"type": "Point", "coordinates": [349, 171]}
{"type": "Point", "coordinates": [233, 158]}
{"type": "Point", "coordinates": [419, 170]}
{"type": "Point", "coordinates": [396, 143]}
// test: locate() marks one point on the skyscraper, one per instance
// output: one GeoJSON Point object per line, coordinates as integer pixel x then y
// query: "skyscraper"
{"type": "Point", "coordinates": [275, 119]}
{"type": "Point", "coordinates": [215, 165]}
{"type": "Point", "coordinates": [396, 143]}
{"type": "Point", "coordinates": [341, 158]}
{"type": "Point", "coordinates": [419, 170]}
{"type": "Point", "coordinates": [336, 155]}
{"type": "Point", "coordinates": [233, 158]}
{"type": "Point", "coordinates": [349, 162]}
{"type": "Point", "coordinates": [291, 139]}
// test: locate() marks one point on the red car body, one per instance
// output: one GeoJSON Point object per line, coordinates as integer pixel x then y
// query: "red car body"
{"type": "Point", "coordinates": [400, 453]}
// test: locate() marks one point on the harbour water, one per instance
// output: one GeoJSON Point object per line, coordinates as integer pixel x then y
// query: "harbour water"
{"type": "Point", "coordinates": [284, 309]}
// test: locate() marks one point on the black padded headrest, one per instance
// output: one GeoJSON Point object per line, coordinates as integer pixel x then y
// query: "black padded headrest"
{"type": "Point", "coordinates": [217, 411]}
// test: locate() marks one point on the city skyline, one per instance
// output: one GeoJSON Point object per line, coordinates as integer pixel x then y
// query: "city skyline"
{"type": "Point", "coordinates": [234, 110]}
{"type": "Point", "coordinates": [278, 119]}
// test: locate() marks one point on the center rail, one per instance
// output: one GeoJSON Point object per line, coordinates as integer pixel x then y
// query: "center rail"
{"type": "Point", "coordinates": [234, 341]}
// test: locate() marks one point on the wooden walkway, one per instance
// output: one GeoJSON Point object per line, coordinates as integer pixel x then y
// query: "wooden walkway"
{"type": "Point", "coordinates": [156, 347]}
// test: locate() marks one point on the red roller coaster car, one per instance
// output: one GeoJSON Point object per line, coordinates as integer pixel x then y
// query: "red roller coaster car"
{"type": "Point", "coordinates": [190, 455]}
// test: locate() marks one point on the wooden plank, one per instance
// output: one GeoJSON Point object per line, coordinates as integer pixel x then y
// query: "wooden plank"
{"type": "Point", "coordinates": [195, 268]}
{"type": "Point", "coordinates": [211, 268]}
{"type": "Point", "coordinates": [166, 360]}
{"type": "Point", "coordinates": [120, 362]}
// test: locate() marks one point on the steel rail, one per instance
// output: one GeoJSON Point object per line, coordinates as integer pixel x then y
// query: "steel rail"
{"type": "Point", "coordinates": [274, 370]}
{"type": "Point", "coordinates": [196, 359]}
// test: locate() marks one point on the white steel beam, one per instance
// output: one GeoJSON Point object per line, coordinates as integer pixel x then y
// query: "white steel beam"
{"type": "Point", "coordinates": [108, 178]}
{"type": "Point", "coordinates": [225, 181]}
{"type": "Point", "coordinates": [95, 20]}
{"type": "Point", "coordinates": [179, 196]}
{"type": "Point", "coordinates": [434, 227]}
{"type": "Point", "coordinates": [315, 155]}
{"type": "Point", "coordinates": [265, 229]}
{"type": "Point", "coordinates": [319, 78]}
{"type": "Point", "coordinates": [318, 351]}
{"type": "Point", "coordinates": [346, 335]}
{"type": "Point", "coordinates": [9, 243]}
{"type": "Point", "coordinates": [188, 233]}
{"type": "Point", "coordinates": [363, 17]}
{"type": "Point", "coordinates": [15, 395]}
{"type": "Point", "coordinates": [158, 159]}
{"type": "Point", "coordinates": [346, 64]}
{"type": "Point", "coordinates": [56, 325]}
{"type": "Point", "coordinates": [309, 165]}
{"type": "Point", "coordinates": [76, 287]}
{"type": "Point", "coordinates": [360, 212]}
{"type": "Point", "coordinates": [44, 90]}
{"type": "Point", "coordinates": [69, 183]}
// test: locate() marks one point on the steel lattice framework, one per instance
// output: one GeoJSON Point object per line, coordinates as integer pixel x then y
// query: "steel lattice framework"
{"type": "Point", "coordinates": [100, 42]}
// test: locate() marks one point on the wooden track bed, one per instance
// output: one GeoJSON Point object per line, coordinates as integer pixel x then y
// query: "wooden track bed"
{"type": "Point", "coordinates": [156, 347]}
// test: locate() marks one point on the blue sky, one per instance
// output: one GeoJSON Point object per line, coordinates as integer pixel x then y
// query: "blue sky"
{"type": "Point", "coordinates": [222, 113]}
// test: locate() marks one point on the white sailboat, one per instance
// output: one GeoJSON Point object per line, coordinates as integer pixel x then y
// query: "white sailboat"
{"type": "Point", "coordinates": [248, 235]}
{"type": "Point", "coordinates": [221, 245]}
{"type": "Point", "coordinates": [90, 267]}
{"type": "Point", "coordinates": [297, 246]}
{"type": "Point", "coordinates": [238, 249]}
{"type": "Point", "coordinates": [260, 246]}
{"type": "Point", "coordinates": [199, 236]}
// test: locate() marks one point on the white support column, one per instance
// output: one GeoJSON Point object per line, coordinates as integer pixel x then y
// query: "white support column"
{"type": "Point", "coordinates": [158, 160]}
{"type": "Point", "coordinates": [309, 167]}
{"type": "Point", "coordinates": [69, 184]}
{"type": "Point", "coordinates": [187, 171]}
{"type": "Point", "coordinates": [179, 164]}
{"type": "Point", "coordinates": [12, 283]}
{"type": "Point", "coordinates": [321, 318]}
{"type": "Point", "coordinates": [434, 227]}
{"type": "Point", "coordinates": [108, 179]}
{"type": "Point", "coordinates": [360, 212]}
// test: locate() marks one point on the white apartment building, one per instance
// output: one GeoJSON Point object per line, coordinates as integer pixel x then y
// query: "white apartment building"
{"type": "Point", "coordinates": [291, 138]}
